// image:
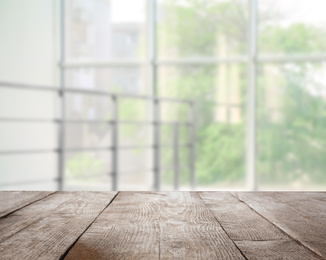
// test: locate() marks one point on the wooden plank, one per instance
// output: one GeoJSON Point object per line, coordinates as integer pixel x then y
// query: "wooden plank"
{"type": "Point", "coordinates": [275, 250]}
{"type": "Point", "coordinates": [311, 204]}
{"type": "Point", "coordinates": [33, 213]}
{"type": "Point", "coordinates": [49, 227]}
{"type": "Point", "coordinates": [14, 200]}
{"type": "Point", "coordinates": [239, 220]}
{"type": "Point", "coordinates": [300, 222]}
{"type": "Point", "coordinates": [148, 225]}
{"type": "Point", "coordinates": [190, 231]}
{"type": "Point", "coordinates": [256, 237]}
{"type": "Point", "coordinates": [127, 229]}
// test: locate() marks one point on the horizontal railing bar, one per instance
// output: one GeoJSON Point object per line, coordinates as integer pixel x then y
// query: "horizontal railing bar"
{"type": "Point", "coordinates": [171, 145]}
{"type": "Point", "coordinates": [194, 61]}
{"type": "Point", "coordinates": [30, 120]}
{"type": "Point", "coordinates": [126, 147]}
{"type": "Point", "coordinates": [74, 149]}
{"type": "Point", "coordinates": [172, 123]}
{"type": "Point", "coordinates": [27, 182]}
{"type": "Point", "coordinates": [33, 151]}
{"type": "Point", "coordinates": [81, 121]}
{"type": "Point", "coordinates": [292, 58]}
{"type": "Point", "coordinates": [111, 173]}
{"type": "Point", "coordinates": [185, 166]}
{"type": "Point", "coordinates": [133, 171]}
{"type": "Point", "coordinates": [181, 167]}
{"type": "Point", "coordinates": [103, 63]}
{"type": "Point", "coordinates": [133, 62]}
{"type": "Point", "coordinates": [243, 59]}
{"type": "Point", "coordinates": [77, 149]}
{"type": "Point", "coordinates": [90, 92]}
{"type": "Point", "coordinates": [202, 61]}
{"type": "Point", "coordinates": [99, 92]}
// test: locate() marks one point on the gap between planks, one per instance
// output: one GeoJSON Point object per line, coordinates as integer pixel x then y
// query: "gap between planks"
{"type": "Point", "coordinates": [62, 222]}
{"type": "Point", "coordinates": [156, 225]}
{"type": "Point", "coordinates": [72, 245]}
{"type": "Point", "coordinates": [221, 226]}
{"type": "Point", "coordinates": [274, 224]}
{"type": "Point", "coordinates": [28, 202]}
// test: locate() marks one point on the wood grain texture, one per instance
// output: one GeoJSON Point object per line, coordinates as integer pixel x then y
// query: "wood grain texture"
{"type": "Point", "coordinates": [190, 231]}
{"type": "Point", "coordinates": [127, 229]}
{"type": "Point", "coordinates": [300, 215]}
{"type": "Point", "coordinates": [14, 200]}
{"type": "Point", "coordinates": [52, 225]}
{"type": "Point", "coordinates": [275, 250]}
{"type": "Point", "coordinates": [254, 235]}
{"type": "Point", "coordinates": [164, 225]}
{"type": "Point", "coordinates": [239, 220]}
{"type": "Point", "coordinates": [146, 225]}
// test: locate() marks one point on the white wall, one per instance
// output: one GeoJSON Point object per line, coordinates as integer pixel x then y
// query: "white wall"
{"type": "Point", "coordinates": [29, 51]}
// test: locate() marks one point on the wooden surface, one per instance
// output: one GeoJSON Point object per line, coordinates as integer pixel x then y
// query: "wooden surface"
{"type": "Point", "coordinates": [162, 225]}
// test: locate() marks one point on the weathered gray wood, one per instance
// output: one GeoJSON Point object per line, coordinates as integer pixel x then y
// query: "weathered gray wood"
{"type": "Point", "coordinates": [299, 220]}
{"type": "Point", "coordinates": [13, 200]}
{"type": "Point", "coordinates": [167, 225]}
{"type": "Point", "coordinates": [33, 213]}
{"type": "Point", "coordinates": [146, 225]}
{"type": "Point", "coordinates": [46, 229]}
{"type": "Point", "coordinates": [239, 220]}
{"type": "Point", "coordinates": [257, 237]}
{"type": "Point", "coordinates": [127, 229]}
{"type": "Point", "coordinates": [190, 231]}
{"type": "Point", "coordinates": [275, 250]}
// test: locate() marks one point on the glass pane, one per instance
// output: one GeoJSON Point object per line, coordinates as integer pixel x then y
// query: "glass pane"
{"type": "Point", "coordinates": [88, 107]}
{"type": "Point", "coordinates": [168, 132]}
{"type": "Point", "coordinates": [135, 160]}
{"type": "Point", "coordinates": [135, 169]}
{"type": "Point", "coordinates": [16, 103]}
{"type": "Point", "coordinates": [116, 80]}
{"type": "Point", "coordinates": [29, 42]}
{"type": "Point", "coordinates": [83, 135]}
{"type": "Point", "coordinates": [28, 136]}
{"type": "Point", "coordinates": [88, 170]}
{"type": "Point", "coordinates": [292, 27]}
{"type": "Point", "coordinates": [138, 180]}
{"type": "Point", "coordinates": [219, 92]}
{"type": "Point", "coordinates": [28, 170]}
{"type": "Point", "coordinates": [168, 157]}
{"type": "Point", "coordinates": [189, 28]}
{"type": "Point", "coordinates": [135, 134]}
{"type": "Point", "coordinates": [291, 126]}
{"type": "Point", "coordinates": [174, 112]}
{"type": "Point", "coordinates": [100, 135]}
{"type": "Point", "coordinates": [135, 110]}
{"type": "Point", "coordinates": [105, 29]}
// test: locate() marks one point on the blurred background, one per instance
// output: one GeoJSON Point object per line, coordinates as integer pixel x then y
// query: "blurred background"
{"type": "Point", "coordinates": [163, 95]}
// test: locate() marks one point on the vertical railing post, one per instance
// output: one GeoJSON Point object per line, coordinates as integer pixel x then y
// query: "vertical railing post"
{"type": "Point", "coordinates": [152, 53]}
{"type": "Point", "coordinates": [192, 145]}
{"type": "Point", "coordinates": [176, 155]}
{"type": "Point", "coordinates": [61, 128]}
{"type": "Point", "coordinates": [251, 98]}
{"type": "Point", "coordinates": [157, 145]}
{"type": "Point", "coordinates": [114, 151]}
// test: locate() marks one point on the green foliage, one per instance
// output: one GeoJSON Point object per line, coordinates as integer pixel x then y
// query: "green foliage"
{"type": "Point", "coordinates": [290, 149]}
{"type": "Point", "coordinates": [220, 153]}
{"type": "Point", "coordinates": [192, 26]}
{"type": "Point", "coordinates": [296, 39]}
{"type": "Point", "coordinates": [84, 166]}
{"type": "Point", "coordinates": [295, 147]}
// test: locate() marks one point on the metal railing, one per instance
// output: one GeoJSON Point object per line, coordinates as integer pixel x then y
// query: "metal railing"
{"type": "Point", "coordinates": [115, 122]}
